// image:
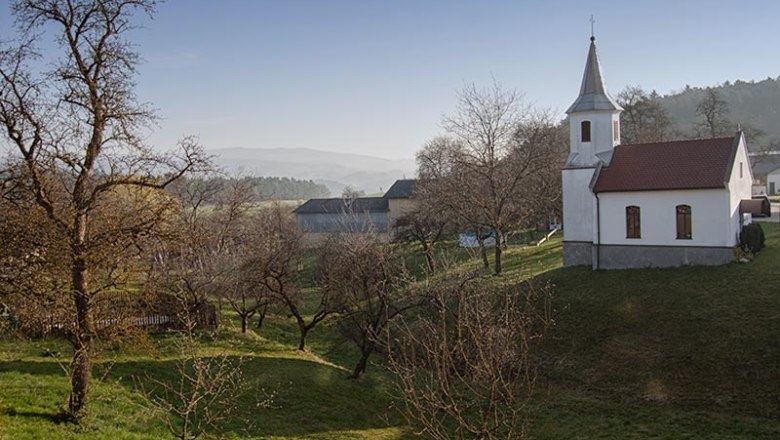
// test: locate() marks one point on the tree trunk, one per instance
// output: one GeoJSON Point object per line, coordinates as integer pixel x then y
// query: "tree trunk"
{"type": "Point", "coordinates": [482, 250]}
{"type": "Point", "coordinates": [83, 343]}
{"type": "Point", "coordinates": [243, 323]}
{"type": "Point", "coordinates": [80, 375]}
{"type": "Point", "coordinates": [360, 368]}
{"type": "Point", "coordinates": [302, 342]}
{"type": "Point", "coordinates": [261, 318]}
{"type": "Point", "coordinates": [428, 251]}
{"type": "Point", "coordinates": [498, 252]}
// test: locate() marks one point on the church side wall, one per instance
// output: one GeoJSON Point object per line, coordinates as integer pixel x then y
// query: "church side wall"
{"type": "Point", "coordinates": [740, 188]}
{"type": "Point", "coordinates": [578, 203]}
{"type": "Point", "coordinates": [578, 212]}
{"type": "Point", "coordinates": [711, 226]}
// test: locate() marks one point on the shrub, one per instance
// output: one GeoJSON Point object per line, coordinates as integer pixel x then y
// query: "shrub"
{"type": "Point", "coordinates": [751, 239]}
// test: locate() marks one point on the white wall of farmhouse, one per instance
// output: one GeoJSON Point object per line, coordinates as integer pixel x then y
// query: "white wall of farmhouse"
{"type": "Point", "coordinates": [709, 217]}
{"type": "Point", "coordinates": [578, 205]}
{"type": "Point", "coordinates": [773, 182]}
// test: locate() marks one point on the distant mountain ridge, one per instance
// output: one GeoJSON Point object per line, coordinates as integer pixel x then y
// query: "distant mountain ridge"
{"type": "Point", "coordinates": [334, 170]}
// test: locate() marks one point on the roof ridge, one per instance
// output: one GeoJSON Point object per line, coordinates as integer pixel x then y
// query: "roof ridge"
{"type": "Point", "coordinates": [678, 141]}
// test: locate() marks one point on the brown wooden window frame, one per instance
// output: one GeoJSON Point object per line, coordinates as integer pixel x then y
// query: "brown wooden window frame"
{"type": "Point", "coordinates": [633, 222]}
{"type": "Point", "coordinates": [615, 130]}
{"type": "Point", "coordinates": [585, 133]}
{"type": "Point", "coordinates": [684, 222]}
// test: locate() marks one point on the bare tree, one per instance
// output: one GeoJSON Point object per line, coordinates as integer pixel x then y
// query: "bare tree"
{"type": "Point", "coordinates": [713, 112]}
{"type": "Point", "coordinates": [205, 255]}
{"type": "Point", "coordinates": [423, 224]}
{"type": "Point", "coordinates": [75, 129]}
{"type": "Point", "coordinates": [204, 392]}
{"type": "Point", "coordinates": [467, 368]}
{"type": "Point", "coordinates": [367, 281]}
{"type": "Point", "coordinates": [487, 172]}
{"type": "Point", "coordinates": [644, 118]}
{"type": "Point", "coordinates": [275, 253]}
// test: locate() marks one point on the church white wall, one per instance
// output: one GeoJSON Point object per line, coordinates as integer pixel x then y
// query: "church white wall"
{"type": "Point", "coordinates": [578, 205]}
{"type": "Point", "coordinates": [602, 135]}
{"type": "Point", "coordinates": [740, 187]}
{"type": "Point", "coordinates": [710, 220]}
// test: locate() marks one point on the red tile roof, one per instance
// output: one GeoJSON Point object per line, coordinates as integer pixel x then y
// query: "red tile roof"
{"type": "Point", "coordinates": [695, 164]}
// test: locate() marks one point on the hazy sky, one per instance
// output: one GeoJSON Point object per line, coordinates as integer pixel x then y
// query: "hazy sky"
{"type": "Point", "coordinates": [375, 77]}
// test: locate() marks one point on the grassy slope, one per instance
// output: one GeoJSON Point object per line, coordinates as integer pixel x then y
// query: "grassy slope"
{"type": "Point", "coordinates": [676, 353]}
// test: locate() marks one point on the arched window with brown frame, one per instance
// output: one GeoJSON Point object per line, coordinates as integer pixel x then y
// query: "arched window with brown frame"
{"type": "Point", "coordinates": [633, 222]}
{"type": "Point", "coordinates": [684, 231]}
{"type": "Point", "coordinates": [585, 131]}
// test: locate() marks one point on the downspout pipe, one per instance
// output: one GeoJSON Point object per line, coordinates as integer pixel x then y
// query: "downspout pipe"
{"type": "Point", "coordinates": [598, 232]}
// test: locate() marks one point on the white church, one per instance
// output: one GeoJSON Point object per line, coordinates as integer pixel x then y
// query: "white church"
{"type": "Point", "coordinates": [647, 205]}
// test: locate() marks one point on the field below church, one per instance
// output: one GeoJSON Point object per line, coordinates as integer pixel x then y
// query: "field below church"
{"type": "Point", "coordinates": [635, 354]}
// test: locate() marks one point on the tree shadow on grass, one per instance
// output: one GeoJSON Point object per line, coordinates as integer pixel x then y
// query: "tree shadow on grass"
{"type": "Point", "coordinates": [306, 397]}
{"type": "Point", "coordinates": [43, 416]}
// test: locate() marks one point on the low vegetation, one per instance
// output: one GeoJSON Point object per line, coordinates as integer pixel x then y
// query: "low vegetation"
{"type": "Point", "coordinates": [652, 353]}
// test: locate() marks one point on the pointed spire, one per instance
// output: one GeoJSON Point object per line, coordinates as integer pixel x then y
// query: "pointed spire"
{"type": "Point", "coordinates": [593, 94]}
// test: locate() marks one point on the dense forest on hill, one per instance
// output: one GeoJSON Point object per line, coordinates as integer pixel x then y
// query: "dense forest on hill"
{"type": "Point", "coordinates": [752, 103]}
{"type": "Point", "coordinates": [289, 188]}
{"type": "Point", "coordinates": [265, 188]}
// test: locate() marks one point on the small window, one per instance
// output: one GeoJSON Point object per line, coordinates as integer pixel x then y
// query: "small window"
{"type": "Point", "coordinates": [633, 223]}
{"type": "Point", "coordinates": [684, 222]}
{"type": "Point", "coordinates": [740, 170]}
{"type": "Point", "coordinates": [615, 131]}
{"type": "Point", "coordinates": [585, 131]}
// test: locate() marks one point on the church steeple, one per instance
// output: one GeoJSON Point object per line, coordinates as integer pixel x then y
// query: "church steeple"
{"type": "Point", "coordinates": [593, 94]}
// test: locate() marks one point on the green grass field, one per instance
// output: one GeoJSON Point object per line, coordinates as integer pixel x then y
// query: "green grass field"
{"type": "Point", "coordinates": [689, 353]}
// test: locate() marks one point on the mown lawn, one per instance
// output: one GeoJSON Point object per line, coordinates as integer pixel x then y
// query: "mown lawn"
{"type": "Point", "coordinates": [690, 353]}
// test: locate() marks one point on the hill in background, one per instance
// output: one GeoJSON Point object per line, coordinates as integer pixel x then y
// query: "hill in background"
{"type": "Point", "coordinates": [753, 103]}
{"type": "Point", "coordinates": [750, 102]}
{"type": "Point", "coordinates": [334, 170]}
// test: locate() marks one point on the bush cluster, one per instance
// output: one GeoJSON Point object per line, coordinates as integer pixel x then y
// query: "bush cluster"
{"type": "Point", "coordinates": [751, 239]}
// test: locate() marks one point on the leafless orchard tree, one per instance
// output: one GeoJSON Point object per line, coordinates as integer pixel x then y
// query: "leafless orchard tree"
{"type": "Point", "coordinates": [275, 252]}
{"type": "Point", "coordinates": [367, 283]}
{"type": "Point", "coordinates": [205, 391]}
{"type": "Point", "coordinates": [467, 367]}
{"type": "Point", "coordinates": [204, 255]}
{"type": "Point", "coordinates": [644, 118]}
{"type": "Point", "coordinates": [423, 224]}
{"type": "Point", "coordinates": [75, 130]}
{"type": "Point", "coordinates": [495, 165]}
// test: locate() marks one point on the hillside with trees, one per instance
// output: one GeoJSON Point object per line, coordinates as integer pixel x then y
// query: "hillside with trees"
{"type": "Point", "coordinates": [756, 103]}
{"type": "Point", "coordinates": [693, 112]}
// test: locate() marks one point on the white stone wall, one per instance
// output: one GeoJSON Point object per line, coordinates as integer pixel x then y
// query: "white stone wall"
{"type": "Point", "coordinates": [711, 224]}
{"type": "Point", "coordinates": [740, 187]}
{"type": "Point", "coordinates": [578, 205]}
{"type": "Point", "coordinates": [602, 137]}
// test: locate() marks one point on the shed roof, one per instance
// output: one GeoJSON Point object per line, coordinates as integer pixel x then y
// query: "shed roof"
{"type": "Point", "coordinates": [693, 164]}
{"type": "Point", "coordinates": [342, 206]}
{"type": "Point", "coordinates": [401, 189]}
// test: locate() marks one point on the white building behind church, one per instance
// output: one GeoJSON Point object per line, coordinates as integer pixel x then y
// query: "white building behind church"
{"type": "Point", "coordinates": [647, 205]}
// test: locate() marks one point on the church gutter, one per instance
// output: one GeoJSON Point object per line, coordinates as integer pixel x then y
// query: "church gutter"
{"type": "Point", "coordinates": [598, 232]}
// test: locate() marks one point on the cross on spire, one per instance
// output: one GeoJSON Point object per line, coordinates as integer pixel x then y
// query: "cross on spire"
{"type": "Point", "coordinates": [592, 22]}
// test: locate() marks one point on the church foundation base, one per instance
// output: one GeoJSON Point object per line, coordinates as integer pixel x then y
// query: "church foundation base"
{"type": "Point", "coordinates": [634, 257]}
{"type": "Point", "coordinates": [577, 253]}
